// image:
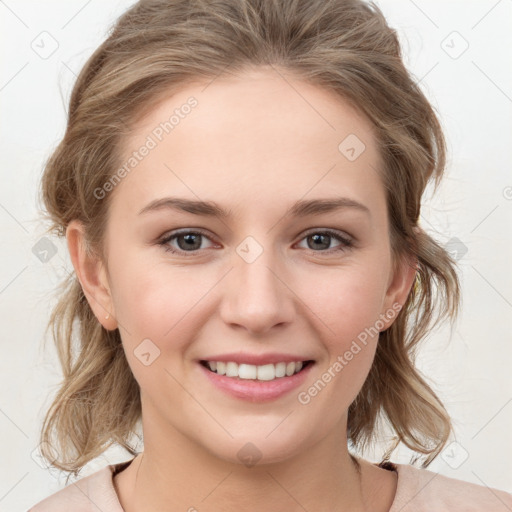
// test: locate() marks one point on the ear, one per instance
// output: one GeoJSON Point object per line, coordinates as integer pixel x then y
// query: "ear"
{"type": "Point", "coordinates": [92, 275]}
{"type": "Point", "coordinates": [399, 287]}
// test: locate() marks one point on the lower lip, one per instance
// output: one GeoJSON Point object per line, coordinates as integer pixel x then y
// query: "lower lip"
{"type": "Point", "coordinates": [257, 390]}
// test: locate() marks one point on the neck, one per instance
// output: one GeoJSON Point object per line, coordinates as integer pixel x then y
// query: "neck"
{"type": "Point", "coordinates": [175, 473]}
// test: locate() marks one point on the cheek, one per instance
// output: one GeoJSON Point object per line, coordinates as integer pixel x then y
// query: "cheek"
{"type": "Point", "coordinates": [158, 317]}
{"type": "Point", "coordinates": [151, 304]}
{"type": "Point", "coordinates": [345, 300]}
{"type": "Point", "coordinates": [348, 307]}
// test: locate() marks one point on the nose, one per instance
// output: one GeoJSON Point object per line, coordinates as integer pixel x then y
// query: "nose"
{"type": "Point", "coordinates": [256, 295]}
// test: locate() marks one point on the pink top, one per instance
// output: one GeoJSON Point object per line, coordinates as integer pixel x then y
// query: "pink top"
{"type": "Point", "coordinates": [418, 490]}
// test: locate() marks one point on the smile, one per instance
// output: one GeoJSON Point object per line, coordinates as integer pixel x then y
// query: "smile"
{"type": "Point", "coordinates": [264, 372]}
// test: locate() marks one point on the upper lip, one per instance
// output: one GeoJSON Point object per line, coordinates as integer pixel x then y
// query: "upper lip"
{"type": "Point", "coordinates": [257, 359]}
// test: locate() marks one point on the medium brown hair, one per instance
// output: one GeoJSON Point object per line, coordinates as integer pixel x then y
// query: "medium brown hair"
{"type": "Point", "coordinates": [156, 46]}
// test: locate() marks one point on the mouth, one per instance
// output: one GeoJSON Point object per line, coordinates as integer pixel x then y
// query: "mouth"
{"type": "Point", "coordinates": [266, 372]}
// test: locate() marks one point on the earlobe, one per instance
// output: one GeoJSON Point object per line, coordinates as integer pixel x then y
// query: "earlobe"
{"type": "Point", "coordinates": [91, 273]}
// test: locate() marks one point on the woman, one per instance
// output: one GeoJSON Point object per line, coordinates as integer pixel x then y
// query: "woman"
{"type": "Point", "coordinates": [240, 186]}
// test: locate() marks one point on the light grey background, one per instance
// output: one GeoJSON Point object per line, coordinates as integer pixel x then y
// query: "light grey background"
{"type": "Point", "coordinates": [44, 45]}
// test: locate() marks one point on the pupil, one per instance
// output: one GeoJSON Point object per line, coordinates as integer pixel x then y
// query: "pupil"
{"type": "Point", "coordinates": [317, 237]}
{"type": "Point", "coordinates": [189, 239]}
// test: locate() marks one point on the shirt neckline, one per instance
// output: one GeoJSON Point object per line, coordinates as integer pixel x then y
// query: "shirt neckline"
{"type": "Point", "coordinates": [387, 465]}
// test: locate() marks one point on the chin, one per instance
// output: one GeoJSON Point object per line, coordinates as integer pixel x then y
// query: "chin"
{"type": "Point", "coordinates": [258, 450]}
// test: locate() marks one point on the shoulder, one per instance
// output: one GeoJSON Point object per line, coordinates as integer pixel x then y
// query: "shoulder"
{"type": "Point", "coordinates": [93, 492]}
{"type": "Point", "coordinates": [421, 490]}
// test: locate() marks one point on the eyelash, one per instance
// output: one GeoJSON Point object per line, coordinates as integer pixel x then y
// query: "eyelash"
{"type": "Point", "coordinates": [346, 243]}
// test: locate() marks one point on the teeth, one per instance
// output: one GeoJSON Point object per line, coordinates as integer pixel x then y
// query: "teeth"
{"type": "Point", "coordinates": [250, 371]}
{"type": "Point", "coordinates": [246, 371]}
{"type": "Point", "coordinates": [281, 369]}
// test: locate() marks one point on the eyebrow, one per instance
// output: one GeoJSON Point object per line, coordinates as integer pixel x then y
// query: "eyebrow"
{"type": "Point", "coordinates": [301, 208]}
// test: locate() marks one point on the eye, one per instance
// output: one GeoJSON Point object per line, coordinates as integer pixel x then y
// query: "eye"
{"type": "Point", "coordinates": [187, 241]}
{"type": "Point", "coordinates": [322, 239]}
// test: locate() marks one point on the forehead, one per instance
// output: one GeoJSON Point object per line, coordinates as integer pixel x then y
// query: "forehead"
{"type": "Point", "coordinates": [258, 133]}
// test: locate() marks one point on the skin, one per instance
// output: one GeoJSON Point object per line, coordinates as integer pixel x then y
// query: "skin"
{"type": "Point", "coordinates": [256, 143]}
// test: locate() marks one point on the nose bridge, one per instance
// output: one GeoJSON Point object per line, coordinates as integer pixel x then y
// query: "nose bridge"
{"type": "Point", "coordinates": [257, 297]}
{"type": "Point", "coordinates": [255, 267]}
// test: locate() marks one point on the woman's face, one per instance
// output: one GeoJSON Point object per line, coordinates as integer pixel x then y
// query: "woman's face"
{"type": "Point", "coordinates": [269, 282]}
